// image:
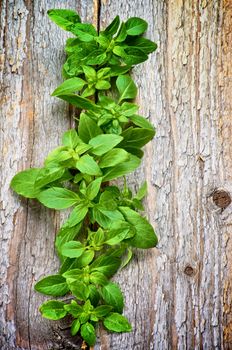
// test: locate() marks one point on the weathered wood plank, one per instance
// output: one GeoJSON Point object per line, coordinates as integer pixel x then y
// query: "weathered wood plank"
{"type": "Point", "coordinates": [32, 124]}
{"type": "Point", "coordinates": [179, 296]}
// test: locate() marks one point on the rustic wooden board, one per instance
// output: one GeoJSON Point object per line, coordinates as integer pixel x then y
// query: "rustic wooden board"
{"type": "Point", "coordinates": [179, 295]}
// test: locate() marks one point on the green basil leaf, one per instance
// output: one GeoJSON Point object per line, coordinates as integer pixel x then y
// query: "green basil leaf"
{"type": "Point", "coordinates": [98, 238]}
{"type": "Point", "coordinates": [121, 169]}
{"type": "Point", "coordinates": [112, 27]}
{"type": "Point", "coordinates": [141, 121]}
{"type": "Point", "coordinates": [133, 56]}
{"type": "Point", "coordinates": [66, 234]}
{"type": "Point", "coordinates": [70, 138]}
{"type": "Point", "coordinates": [127, 258]}
{"type": "Point", "coordinates": [48, 175]}
{"type": "Point", "coordinates": [52, 285]}
{"type": "Point", "coordinates": [117, 323]}
{"type": "Point", "coordinates": [108, 199]}
{"type": "Point", "coordinates": [106, 264]}
{"type": "Point", "coordinates": [97, 56]}
{"type": "Point", "coordinates": [119, 51]}
{"type": "Point", "coordinates": [114, 60]}
{"type": "Point", "coordinates": [136, 137]}
{"type": "Point", "coordinates": [98, 278]}
{"type": "Point", "coordinates": [106, 102]}
{"type": "Point", "coordinates": [56, 157]}
{"type": "Point", "coordinates": [73, 274]}
{"type": "Point", "coordinates": [122, 34]}
{"type": "Point", "coordinates": [73, 308]}
{"type": "Point", "coordinates": [93, 188]}
{"type": "Point", "coordinates": [137, 204]}
{"type": "Point", "coordinates": [77, 215]}
{"type": "Point", "coordinates": [53, 310]}
{"type": "Point", "coordinates": [66, 264]}
{"type": "Point", "coordinates": [94, 295]}
{"type": "Point", "coordinates": [75, 327]}
{"type": "Point", "coordinates": [118, 70]}
{"type": "Point", "coordinates": [85, 259]}
{"type": "Point", "coordinates": [126, 87]}
{"type": "Point", "coordinates": [69, 86]}
{"type": "Point", "coordinates": [78, 101]}
{"type": "Point", "coordinates": [116, 225]}
{"type": "Point", "coordinates": [103, 40]}
{"type": "Point", "coordinates": [87, 165]}
{"type": "Point", "coordinates": [135, 151]}
{"type": "Point", "coordinates": [105, 217]}
{"type": "Point", "coordinates": [143, 44]}
{"type": "Point", "coordinates": [142, 192]}
{"type": "Point", "coordinates": [103, 73]}
{"type": "Point", "coordinates": [23, 183]}
{"type": "Point", "coordinates": [118, 234]}
{"type": "Point", "coordinates": [73, 45]}
{"type": "Point", "coordinates": [114, 191]}
{"type": "Point", "coordinates": [103, 143]}
{"type": "Point", "coordinates": [135, 26]}
{"type": "Point", "coordinates": [58, 198]}
{"type": "Point", "coordinates": [65, 19]}
{"type": "Point", "coordinates": [100, 218]}
{"type": "Point", "coordinates": [84, 317]}
{"type": "Point", "coordinates": [73, 65]}
{"type": "Point", "coordinates": [87, 306]}
{"type": "Point", "coordinates": [115, 252]}
{"type": "Point", "coordinates": [112, 295]}
{"type": "Point", "coordinates": [82, 148]}
{"type": "Point", "coordinates": [72, 249]}
{"type": "Point", "coordinates": [103, 85]}
{"type": "Point", "coordinates": [84, 31]}
{"type": "Point", "coordinates": [145, 236]}
{"type": "Point", "coordinates": [128, 109]}
{"type": "Point", "coordinates": [88, 333]}
{"type": "Point", "coordinates": [87, 128]}
{"type": "Point", "coordinates": [102, 310]}
{"type": "Point", "coordinates": [79, 290]}
{"type": "Point", "coordinates": [113, 157]}
{"type": "Point", "coordinates": [89, 91]}
{"type": "Point", "coordinates": [90, 73]}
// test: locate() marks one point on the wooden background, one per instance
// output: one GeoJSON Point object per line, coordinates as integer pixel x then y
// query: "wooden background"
{"type": "Point", "coordinates": [179, 295]}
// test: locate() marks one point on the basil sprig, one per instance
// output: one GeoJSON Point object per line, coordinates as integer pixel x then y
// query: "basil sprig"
{"type": "Point", "coordinates": [104, 224]}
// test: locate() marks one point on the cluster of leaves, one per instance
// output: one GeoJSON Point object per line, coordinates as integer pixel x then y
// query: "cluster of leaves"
{"type": "Point", "coordinates": [104, 225]}
{"type": "Point", "coordinates": [118, 43]}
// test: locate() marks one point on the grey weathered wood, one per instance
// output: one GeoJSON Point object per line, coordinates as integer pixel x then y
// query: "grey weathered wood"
{"type": "Point", "coordinates": [179, 295]}
{"type": "Point", "coordinates": [31, 123]}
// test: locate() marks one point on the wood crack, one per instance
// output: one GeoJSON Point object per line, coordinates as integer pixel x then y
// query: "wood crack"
{"type": "Point", "coordinates": [173, 134]}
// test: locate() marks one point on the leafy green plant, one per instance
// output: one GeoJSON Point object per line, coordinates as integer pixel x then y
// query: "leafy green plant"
{"type": "Point", "coordinates": [104, 224]}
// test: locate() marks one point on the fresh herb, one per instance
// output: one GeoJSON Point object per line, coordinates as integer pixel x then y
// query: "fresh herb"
{"type": "Point", "coordinates": [104, 224]}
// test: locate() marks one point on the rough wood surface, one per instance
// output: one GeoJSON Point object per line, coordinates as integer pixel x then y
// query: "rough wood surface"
{"type": "Point", "coordinates": [179, 295]}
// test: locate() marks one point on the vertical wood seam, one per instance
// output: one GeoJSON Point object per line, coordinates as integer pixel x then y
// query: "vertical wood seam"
{"type": "Point", "coordinates": [201, 166]}
{"type": "Point", "coordinates": [30, 16]}
{"type": "Point", "coordinates": [172, 341]}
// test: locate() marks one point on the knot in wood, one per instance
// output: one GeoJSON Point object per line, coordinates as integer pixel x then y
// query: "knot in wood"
{"type": "Point", "coordinates": [189, 270]}
{"type": "Point", "coordinates": [221, 198]}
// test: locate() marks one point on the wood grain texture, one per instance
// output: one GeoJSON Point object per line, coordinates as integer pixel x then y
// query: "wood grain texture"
{"type": "Point", "coordinates": [179, 295]}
